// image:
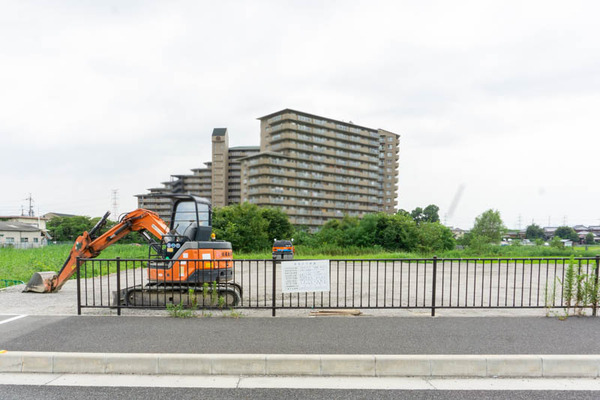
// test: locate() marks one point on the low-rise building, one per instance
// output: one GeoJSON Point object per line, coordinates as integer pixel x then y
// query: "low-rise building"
{"type": "Point", "coordinates": [39, 222]}
{"type": "Point", "coordinates": [20, 235]}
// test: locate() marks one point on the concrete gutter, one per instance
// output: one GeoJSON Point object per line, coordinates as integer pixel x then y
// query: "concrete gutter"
{"type": "Point", "coordinates": [500, 366]}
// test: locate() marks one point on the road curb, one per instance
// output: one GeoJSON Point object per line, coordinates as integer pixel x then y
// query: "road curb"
{"type": "Point", "coordinates": [500, 366]}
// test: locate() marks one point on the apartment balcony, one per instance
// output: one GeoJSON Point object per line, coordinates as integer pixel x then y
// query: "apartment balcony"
{"type": "Point", "coordinates": [287, 131]}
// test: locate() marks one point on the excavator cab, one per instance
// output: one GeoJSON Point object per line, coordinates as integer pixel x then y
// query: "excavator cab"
{"type": "Point", "coordinates": [190, 222]}
{"type": "Point", "coordinates": [191, 217]}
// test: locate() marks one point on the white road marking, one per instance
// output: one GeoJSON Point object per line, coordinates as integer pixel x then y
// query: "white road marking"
{"type": "Point", "coordinates": [246, 382]}
{"type": "Point", "coordinates": [6, 321]}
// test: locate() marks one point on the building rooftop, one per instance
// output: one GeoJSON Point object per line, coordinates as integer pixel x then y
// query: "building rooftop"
{"type": "Point", "coordinates": [62, 215]}
{"type": "Point", "coordinates": [349, 123]}
{"type": "Point", "coordinates": [2, 217]}
{"type": "Point", "coordinates": [245, 148]}
{"type": "Point", "coordinates": [18, 227]}
{"type": "Point", "coordinates": [219, 131]}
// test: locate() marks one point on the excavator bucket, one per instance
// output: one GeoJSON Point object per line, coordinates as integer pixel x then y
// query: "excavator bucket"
{"type": "Point", "coordinates": [40, 282]}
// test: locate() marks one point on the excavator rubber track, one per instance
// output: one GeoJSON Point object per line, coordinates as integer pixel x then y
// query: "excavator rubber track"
{"type": "Point", "coordinates": [190, 295]}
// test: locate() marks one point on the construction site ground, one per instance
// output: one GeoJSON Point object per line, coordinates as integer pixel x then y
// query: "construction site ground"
{"type": "Point", "coordinates": [64, 302]}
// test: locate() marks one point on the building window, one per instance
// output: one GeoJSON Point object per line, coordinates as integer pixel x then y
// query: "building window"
{"type": "Point", "coordinates": [35, 240]}
{"type": "Point", "coordinates": [10, 240]}
{"type": "Point", "coordinates": [24, 240]}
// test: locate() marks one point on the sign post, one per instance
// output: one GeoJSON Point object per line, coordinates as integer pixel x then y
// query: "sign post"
{"type": "Point", "coordinates": [305, 276]}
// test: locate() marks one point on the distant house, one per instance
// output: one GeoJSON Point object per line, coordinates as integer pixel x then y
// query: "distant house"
{"type": "Point", "coordinates": [595, 229]}
{"type": "Point", "coordinates": [20, 235]}
{"type": "Point", "coordinates": [457, 232]}
{"type": "Point", "coordinates": [549, 232]}
{"type": "Point", "coordinates": [567, 242]}
{"type": "Point", "coordinates": [583, 236]}
{"type": "Point", "coordinates": [39, 222]}
{"type": "Point", "coordinates": [514, 234]}
{"type": "Point", "coordinates": [51, 215]}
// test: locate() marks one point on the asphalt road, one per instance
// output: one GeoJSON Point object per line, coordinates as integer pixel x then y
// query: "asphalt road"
{"type": "Point", "coordinates": [321, 335]}
{"type": "Point", "coordinates": [68, 393]}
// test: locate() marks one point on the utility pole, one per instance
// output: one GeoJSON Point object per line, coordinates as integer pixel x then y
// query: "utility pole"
{"type": "Point", "coordinates": [30, 213]}
{"type": "Point", "coordinates": [519, 222]}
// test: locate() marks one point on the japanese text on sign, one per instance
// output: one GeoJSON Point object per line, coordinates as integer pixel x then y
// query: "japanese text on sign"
{"type": "Point", "coordinates": [305, 276]}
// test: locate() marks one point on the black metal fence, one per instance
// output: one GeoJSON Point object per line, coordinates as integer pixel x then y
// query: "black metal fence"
{"type": "Point", "coordinates": [4, 283]}
{"type": "Point", "coordinates": [429, 283]}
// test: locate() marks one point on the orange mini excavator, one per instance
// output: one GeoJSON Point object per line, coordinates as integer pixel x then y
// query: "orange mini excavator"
{"type": "Point", "coordinates": [184, 257]}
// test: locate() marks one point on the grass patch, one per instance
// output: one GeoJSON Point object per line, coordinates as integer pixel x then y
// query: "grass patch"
{"type": "Point", "coordinates": [490, 251]}
{"type": "Point", "coordinates": [21, 264]}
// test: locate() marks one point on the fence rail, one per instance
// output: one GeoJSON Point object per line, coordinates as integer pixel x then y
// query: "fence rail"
{"type": "Point", "coordinates": [4, 283]}
{"type": "Point", "coordinates": [428, 283]}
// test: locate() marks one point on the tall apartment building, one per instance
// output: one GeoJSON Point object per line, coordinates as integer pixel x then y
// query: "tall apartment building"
{"type": "Point", "coordinates": [219, 181]}
{"type": "Point", "coordinates": [313, 168]}
{"type": "Point", "coordinates": [316, 168]}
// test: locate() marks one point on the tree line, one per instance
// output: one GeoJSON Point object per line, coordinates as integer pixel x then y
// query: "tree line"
{"type": "Point", "coordinates": [67, 229]}
{"type": "Point", "coordinates": [251, 228]}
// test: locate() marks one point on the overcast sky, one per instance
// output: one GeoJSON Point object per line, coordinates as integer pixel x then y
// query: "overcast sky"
{"type": "Point", "coordinates": [497, 102]}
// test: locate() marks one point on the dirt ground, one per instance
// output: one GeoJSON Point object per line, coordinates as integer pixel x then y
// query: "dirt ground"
{"type": "Point", "coordinates": [14, 302]}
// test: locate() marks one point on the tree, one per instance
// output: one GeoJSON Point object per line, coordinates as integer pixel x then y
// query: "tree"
{"type": "Point", "coordinates": [403, 212]}
{"type": "Point", "coordinates": [67, 229]}
{"type": "Point", "coordinates": [417, 214]}
{"type": "Point", "coordinates": [557, 243]}
{"type": "Point", "coordinates": [566, 232]}
{"type": "Point", "coordinates": [429, 214]}
{"type": "Point", "coordinates": [278, 223]}
{"type": "Point", "coordinates": [534, 232]}
{"type": "Point", "coordinates": [589, 238]}
{"type": "Point", "coordinates": [243, 225]}
{"type": "Point", "coordinates": [396, 232]}
{"type": "Point", "coordinates": [434, 236]}
{"type": "Point", "coordinates": [489, 227]}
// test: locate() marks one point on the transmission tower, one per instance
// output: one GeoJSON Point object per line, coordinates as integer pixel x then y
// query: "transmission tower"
{"type": "Point", "coordinates": [115, 203]}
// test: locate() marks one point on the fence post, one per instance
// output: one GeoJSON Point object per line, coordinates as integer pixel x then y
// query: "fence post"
{"type": "Point", "coordinates": [434, 286]}
{"type": "Point", "coordinates": [118, 297]}
{"type": "Point", "coordinates": [594, 312]}
{"type": "Point", "coordinates": [78, 263]}
{"type": "Point", "coordinates": [274, 288]}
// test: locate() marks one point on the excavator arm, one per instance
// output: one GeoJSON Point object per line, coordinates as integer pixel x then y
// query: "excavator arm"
{"type": "Point", "coordinates": [88, 246]}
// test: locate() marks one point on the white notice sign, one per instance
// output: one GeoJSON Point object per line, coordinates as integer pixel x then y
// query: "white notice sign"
{"type": "Point", "coordinates": [305, 276]}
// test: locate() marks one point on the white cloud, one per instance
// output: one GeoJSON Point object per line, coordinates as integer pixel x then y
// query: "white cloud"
{"type": "Point", "coordinates": [500, 96]}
